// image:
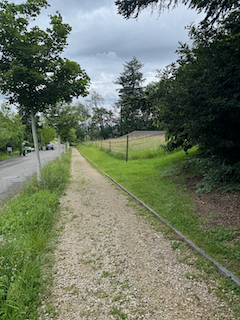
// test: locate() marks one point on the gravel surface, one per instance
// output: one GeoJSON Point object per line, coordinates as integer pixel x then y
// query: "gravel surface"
{"type": "Point", "coordinates": [111, 264]}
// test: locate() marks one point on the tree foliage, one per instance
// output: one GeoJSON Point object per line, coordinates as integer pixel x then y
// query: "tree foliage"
{"type": "Point", "coordinates": [33, 74]}
{"type": "Point", "coordinates": [11, 129]}
{"type": "Point", "coordinates": [102, 124]}
{"type": "Point", "coordinates": [63, 118]}
{"type": "Point", "coordinates": [197, 99]}
{"type": "Point", "coordinates": [214, 9]}
{"type": "Point", "coordinates": [95, 100]}
{"type": "Point", "coordinates": [26, 121]}
{"type": "Point", "coordinates": [47, 134]}
{"type": "Point", "coordinates": [84, 114]}
{"type": "Point", "coordinates": [133, 114]}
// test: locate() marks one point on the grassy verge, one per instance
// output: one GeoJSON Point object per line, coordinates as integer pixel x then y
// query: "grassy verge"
{"type": "Point", "coordinates": [144, 179]}
{"type": "Point", "coordinates": [4, 156]}
{"type": "Point", "coordinates": [25, 227]}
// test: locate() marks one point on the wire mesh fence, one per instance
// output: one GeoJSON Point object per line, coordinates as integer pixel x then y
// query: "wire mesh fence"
{"type": "Point", "coordinates": [138, 144]}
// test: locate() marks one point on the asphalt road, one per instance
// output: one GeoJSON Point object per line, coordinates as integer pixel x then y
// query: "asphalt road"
{"type": "Point", "coordinates": [14, 172]}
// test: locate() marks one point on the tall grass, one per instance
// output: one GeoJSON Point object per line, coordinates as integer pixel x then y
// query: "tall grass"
{"type": "Point", "coordinates": [25, 227]}
{"type": "Point", "coordinates": [140, 147]}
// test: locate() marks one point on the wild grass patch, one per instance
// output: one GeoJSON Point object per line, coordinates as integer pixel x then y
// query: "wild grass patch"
{"type": "Point", "coordinates": [4, 156]}
{"type": "Point", "coordinates": [26, 223]}
{"type": "Point", "coordinates": [141, 147]}
{"type": "Point", "coordinates": [117, 313]}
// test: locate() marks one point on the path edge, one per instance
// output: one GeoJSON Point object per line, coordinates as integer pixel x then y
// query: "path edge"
{"type": "Point", "coordinates": [221, 269]}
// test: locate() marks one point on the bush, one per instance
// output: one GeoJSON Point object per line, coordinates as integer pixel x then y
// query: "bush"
{"type": "Point", "coordinates": [217, 173]}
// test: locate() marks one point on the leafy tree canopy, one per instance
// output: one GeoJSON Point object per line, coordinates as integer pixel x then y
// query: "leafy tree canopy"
{"type": "Point", "coordinates": [95, 101]}
{"type": "Point", "coordinates": [11, 129]}
{"type": "Point", "coordinates": [33, 75]}
{"type": "Point", "coordinates": [214, 9]}
{"type": "Point", "coordinates": [32, 72]}
{"type": "Point", "coordinates": [197, 99]}
{"type": "Point", "coordinates": [63, 118]}
{"type": "Point", "coordinates": [47, 134]}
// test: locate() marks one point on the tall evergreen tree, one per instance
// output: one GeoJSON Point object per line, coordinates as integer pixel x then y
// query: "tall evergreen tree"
{"type": "Point", "coordinates": [130, 96]}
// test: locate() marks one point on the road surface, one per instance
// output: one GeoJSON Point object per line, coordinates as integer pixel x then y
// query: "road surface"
{"type": "Point", "coordinates": [14, 172]}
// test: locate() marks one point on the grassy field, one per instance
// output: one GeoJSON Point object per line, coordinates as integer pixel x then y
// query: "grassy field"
{"type": "Point", "coordinates": [26, 223]}
{"type": "Point", "coordinates": [145, 179]}
{"type": "Point", "coordinates": [139, 146]}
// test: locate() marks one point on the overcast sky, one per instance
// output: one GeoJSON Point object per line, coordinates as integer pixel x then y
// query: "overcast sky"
{"type": "Point", "coordinates": [101, 40]}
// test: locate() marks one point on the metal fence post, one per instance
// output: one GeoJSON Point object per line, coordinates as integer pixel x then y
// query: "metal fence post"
{"type": "Point", "coordinates": [127, 151]}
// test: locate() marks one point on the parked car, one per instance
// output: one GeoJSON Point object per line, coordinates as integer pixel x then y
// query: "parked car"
{"type": "Point", "coordinates": [29, 149]}
{"type": "Point", "coordinates": [49, 147]}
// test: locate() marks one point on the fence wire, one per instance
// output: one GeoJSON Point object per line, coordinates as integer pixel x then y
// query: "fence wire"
{"type": "Point", "coordinates": [131, 144]}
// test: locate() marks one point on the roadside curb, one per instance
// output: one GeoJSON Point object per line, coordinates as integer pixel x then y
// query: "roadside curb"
{"type": "Point", "coordinates": [221, 269]}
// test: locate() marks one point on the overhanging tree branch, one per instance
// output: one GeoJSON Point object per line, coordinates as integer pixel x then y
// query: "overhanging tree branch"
{"type": "Point", "coordinates": [214, 9]}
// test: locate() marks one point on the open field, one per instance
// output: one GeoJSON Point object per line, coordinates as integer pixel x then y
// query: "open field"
{"type": "Point", "coordinates": [138, 144]}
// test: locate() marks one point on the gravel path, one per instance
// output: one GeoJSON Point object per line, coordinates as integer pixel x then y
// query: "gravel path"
{"type": "Point", "coordinates": [111, 264]}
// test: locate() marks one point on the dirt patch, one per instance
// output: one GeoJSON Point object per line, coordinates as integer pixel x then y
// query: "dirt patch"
{"type": "Point", "coordinates": [217, 206]}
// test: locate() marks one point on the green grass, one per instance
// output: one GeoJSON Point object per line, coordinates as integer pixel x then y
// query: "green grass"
{"type": "Point", "coordinates": [4, 156]}
{"type": "Point", "coordinates": [25, 254]}
{"type": "Point", "coordinates": [142, 147]}
{"type": "Point", "coordinates": [143, 177]}
{"type": "Point", "coordinates": [118, 313]}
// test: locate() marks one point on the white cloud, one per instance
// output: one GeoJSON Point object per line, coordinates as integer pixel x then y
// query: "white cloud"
{"type": "Point", "coordinates": [107, 56]}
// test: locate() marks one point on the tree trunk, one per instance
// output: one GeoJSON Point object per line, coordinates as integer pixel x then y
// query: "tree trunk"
{"type": "Point", "coordinates": [59, 146]}
{"type": "Point", "coordinates": [35, 139]}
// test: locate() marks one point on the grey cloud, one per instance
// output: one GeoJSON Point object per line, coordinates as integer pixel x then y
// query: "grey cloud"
{"type": "Point", "coordinates": [101, 41]}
